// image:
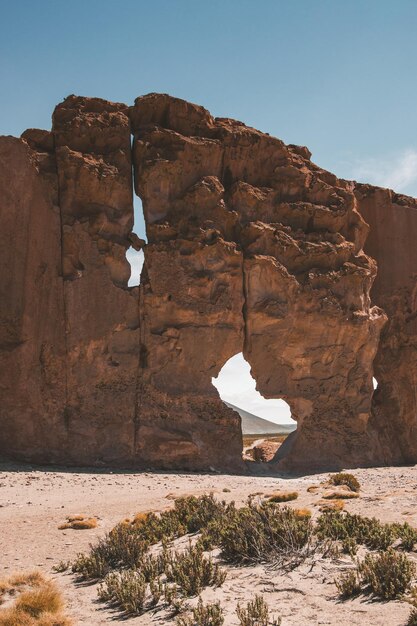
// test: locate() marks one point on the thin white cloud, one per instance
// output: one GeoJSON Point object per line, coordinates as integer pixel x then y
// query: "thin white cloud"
{"type": "Point", "coordinates": [398, 172]}
{"type": "Point", "coordinates": [136, 260]}
{"type": "Point", "coordinates": [236, 385]}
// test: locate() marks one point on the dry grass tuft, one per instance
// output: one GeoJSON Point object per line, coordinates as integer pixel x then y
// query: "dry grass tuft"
{"type": "Point", "coordinates": [340, 494]}
{"type": "Point", "coordinates": [45, 599]}
{"type": "Point", "coordinates": [79, 522]}
{"type": "Point", "coordinates": [303, 513]}
{"type": "Point", "coordinates": [140, 519]}
{"type": "Point", "coordinates": [331, 505]}
{"type": "Point", "coordinates": [37, 602]}
{"type": "Point", "coordinates": [13, 583]}
{"type": "Point", "coordinates": [283, 496]}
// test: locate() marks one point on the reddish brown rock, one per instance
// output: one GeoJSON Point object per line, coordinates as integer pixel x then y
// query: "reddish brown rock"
{"type": "Point", "coordinates": [252, 248]}
{"type": "Point", "coordinates": [32, 330]}
{"type": "Point", "coordinates": [93, 155]}
{"type": "Point", "coordinates": [265, 451]}
{"type": "Point", "coordinates": [392, 242]}
{"type": "Point", "coordinates": [310, 331]}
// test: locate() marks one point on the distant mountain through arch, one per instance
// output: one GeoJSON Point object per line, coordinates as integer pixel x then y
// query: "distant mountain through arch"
{"type": "Point", "coordinates": [254, 425]}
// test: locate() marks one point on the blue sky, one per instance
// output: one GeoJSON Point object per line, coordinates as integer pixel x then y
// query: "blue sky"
{"type": "Point", "coordinates": [339, 76]}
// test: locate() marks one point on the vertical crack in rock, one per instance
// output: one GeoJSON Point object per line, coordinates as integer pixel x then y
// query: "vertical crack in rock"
{"type": "Point", "coordinates": [93, 152]}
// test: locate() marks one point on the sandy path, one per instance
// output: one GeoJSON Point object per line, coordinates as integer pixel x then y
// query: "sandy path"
{"type": "Point", "coordinates": [34, 501]}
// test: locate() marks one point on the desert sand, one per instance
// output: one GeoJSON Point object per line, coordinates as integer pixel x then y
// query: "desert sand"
{"type": "Point", "coordinates": [34, 501]}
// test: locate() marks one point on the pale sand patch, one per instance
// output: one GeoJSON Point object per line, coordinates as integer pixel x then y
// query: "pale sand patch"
{"type": "Point", "coordinates": [33, 502]}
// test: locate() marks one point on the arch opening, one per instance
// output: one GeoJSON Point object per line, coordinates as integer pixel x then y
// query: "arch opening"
{"type": "Point", "coordinates": [265, 423]}
{"type": "Point", "coordinates": [136, 258]}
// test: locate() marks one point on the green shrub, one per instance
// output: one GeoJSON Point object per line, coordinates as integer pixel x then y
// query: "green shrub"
{"type": "Point", "coordinates": [408, 536]}
{"type": "Point", "coordinates": [388, 575]}
{"type": "Point", "coordinates": [127, 544]}
{"type": "Point", "coordinates": [203, 615]}
{"type": "Point", "coordinates": [256, 613]}
{"type": "Point", "coordinates": [126, 589]}
{"type": "Point", "coordinates": [343, 478]}
{"type": "Point", "coordinates": [348, 584]}
{"type": "Point", "coordinates": [90, 566]}
{"type": "Point", "coordinates": [367, 531]}
{"type": "Point", "coordinates": [263, 533]}
{"type": "Point", "coordinates": [350, 546]}
{"type": "Point", "coordinates": [192, 571]}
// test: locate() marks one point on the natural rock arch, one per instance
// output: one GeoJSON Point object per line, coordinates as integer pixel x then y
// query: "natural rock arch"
{"type": "Point", "coordinates": [251, 247]}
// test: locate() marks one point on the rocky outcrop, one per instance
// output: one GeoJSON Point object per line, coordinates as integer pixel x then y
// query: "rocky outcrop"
{"type": "Point", "coordinates": [291, 238]}
{"type": "Point", "coordinates": [32, 328]}
{"type": "Point", "coordinates": [392, 242]}
{"type": "Point", "coordinates": [251, 248]}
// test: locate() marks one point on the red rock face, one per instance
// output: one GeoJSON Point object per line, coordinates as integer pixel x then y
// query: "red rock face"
{"type": "Point", "coordinates": [310, 332]}
{"type": "Point", "coordinates": [392, 242]}
{"type": "Point", "coordinates": [32, 329]}
{"type": "Point", "coordinates": [251, 247]}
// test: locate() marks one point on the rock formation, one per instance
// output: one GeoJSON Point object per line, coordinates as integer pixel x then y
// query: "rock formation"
{"type": "Point", "coordinates": [251, 248]}
{"type": "Point", "coordinates": [392, 242]}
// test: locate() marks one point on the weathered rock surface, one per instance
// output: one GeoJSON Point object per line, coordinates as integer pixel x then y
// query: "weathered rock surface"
{"type": "Point", "coordinates": [32, 328]}
{"type": "Point", "coordinates": [392, 242]}
{"type": "Point", "coordinates": [251, 247]}
{"type": "Point", "coordinates": [311, 333]}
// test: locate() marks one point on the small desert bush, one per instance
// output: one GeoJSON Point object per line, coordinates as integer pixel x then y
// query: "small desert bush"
{"type": "Point", "coordinates": [255, 534]}
{"type": "Point", "coordinates": [407, 534]}
{"type": "Point", "coordinates": [343, 478]}
{"type": "Point", "coordinates": [364, 530]}
{"type": "Point", "coordinates": [283, 496]}
{"type": "Point", "coordinates": [126, 589]}
{"type": "Point", "coordinates": [192, 571]}
{"type": "Point", "coordinates": [256, 613]}
{"type": "Point", "coordinates": [79, 522]}
{"type": "Point", "coordinates": [203, 615]}
{"type": "Point", "coordinates": [122, 547]}
{"type": "Point", "coordinates": [387, 575]}
{"type": "Point", "coordinates": [348, 585]}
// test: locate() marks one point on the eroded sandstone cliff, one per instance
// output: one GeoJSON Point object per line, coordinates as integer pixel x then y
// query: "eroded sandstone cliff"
{"type": "Point", "coordinates": [251, 248]}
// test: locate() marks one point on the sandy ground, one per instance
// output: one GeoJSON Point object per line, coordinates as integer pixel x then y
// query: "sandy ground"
{"type": "Point", "coordinates": [34, 501]}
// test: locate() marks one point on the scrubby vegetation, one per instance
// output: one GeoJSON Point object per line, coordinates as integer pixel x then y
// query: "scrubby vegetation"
{"type": "Point", "coordinates": [256, 534]}
{"type": "Point", "coordinates": [36, 601]}
{"type": "Point", "coordinates": [387, 575]}
{"type": "Point", "coordinates": [139, 568]}
{"type": "Point", "coordinates": [256, 613]}
{"type": "Point", "coordinates": [367, 531]}
{"type": "Point", "coordinates": [203, 615]}
{"type": "Point", "coordinates": [343, 478]}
